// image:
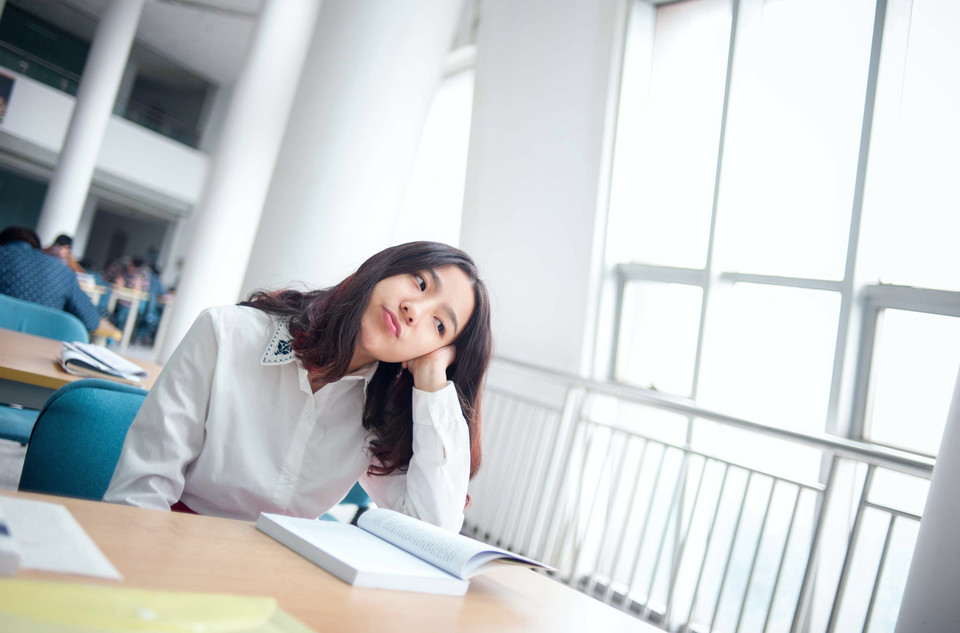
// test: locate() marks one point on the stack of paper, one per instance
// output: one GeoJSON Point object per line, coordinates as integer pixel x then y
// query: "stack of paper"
{"type": "Point", "coordinates": [84, 359]}
{"type": "Point", "coordinates": [49, 538]}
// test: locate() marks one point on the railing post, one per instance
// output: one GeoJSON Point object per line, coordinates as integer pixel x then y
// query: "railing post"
{"type": "Point", "coordinates": [851, 548]}
{"type": "Point", "coordinates": [557, 475]}
{"type": "Point", "coordinates": [803, 598]}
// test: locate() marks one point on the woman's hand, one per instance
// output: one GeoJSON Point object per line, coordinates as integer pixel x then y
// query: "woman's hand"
{"type": "Point", "coordinates": [430, 371]}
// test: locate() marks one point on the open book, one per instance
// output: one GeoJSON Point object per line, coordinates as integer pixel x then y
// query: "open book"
{"type": "Point", "coordinates": [85, 359]}
{"type": "Point", "coordinates": [390, 550]}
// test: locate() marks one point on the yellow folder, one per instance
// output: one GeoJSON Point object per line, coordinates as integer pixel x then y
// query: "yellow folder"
{"type": "Point", "coordinates": [53, 607]}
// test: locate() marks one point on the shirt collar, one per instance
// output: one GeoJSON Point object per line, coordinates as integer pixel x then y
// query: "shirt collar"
{"type": "Point", "coordinates": [279, 351]}
{"type": "Point", "coordinates": [280, 348]}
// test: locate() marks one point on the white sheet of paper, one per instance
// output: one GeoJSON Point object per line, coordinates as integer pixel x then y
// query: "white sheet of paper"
{"type": "Point", "coordinates": [50, 539]}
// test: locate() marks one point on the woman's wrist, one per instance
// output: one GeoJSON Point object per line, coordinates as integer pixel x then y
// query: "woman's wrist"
{"type": "Point", "coordinates": [430, 377]}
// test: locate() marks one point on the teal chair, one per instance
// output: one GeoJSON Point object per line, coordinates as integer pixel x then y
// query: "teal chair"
{"type": "Point", "coordinates": [358, 497]}
{"type": "Point", "coordinates": [33, 318]}
{"type": "Point", "coordinates": [77, 439]}
{"type": "Point", "coordinates": [16, 422]}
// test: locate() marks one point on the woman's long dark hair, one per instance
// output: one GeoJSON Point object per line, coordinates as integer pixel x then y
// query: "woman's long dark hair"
{"type": "Point", "coordinates": [325, 325]}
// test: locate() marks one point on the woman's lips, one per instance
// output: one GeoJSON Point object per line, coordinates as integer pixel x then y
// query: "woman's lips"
{"type": "Point", "coordinates": [392, 323]}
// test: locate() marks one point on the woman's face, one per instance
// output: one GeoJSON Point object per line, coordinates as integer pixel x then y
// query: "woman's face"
{"type": "Point", "coordinates": [411, 315]}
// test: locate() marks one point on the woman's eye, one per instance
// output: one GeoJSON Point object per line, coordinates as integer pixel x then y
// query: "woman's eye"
{"type": "Point", "coordinates": [420, 282]}
{"type": "Point", "coordinates": [440, 326]}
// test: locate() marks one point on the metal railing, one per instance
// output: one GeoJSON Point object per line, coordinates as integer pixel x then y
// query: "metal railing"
{"type": "Point", "coordinates": [660, 508]}
{"type": "Point", "coordinates": [56, 77]}
{"type": "Point", "coordinates": [36, 68]}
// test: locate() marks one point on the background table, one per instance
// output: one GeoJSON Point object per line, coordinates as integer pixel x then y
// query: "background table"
{"type": "Point", "coordinates": [30, 368]}
{"type": "Point", "coordinates": [133, 297]}
{"type": "Point", "coordinates": [173, 551]}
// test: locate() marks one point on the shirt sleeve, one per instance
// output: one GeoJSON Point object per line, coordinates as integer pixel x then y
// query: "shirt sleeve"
{"type": "Point", "coordinates": [434, 487]}
{"type": "Point", "coordinates": [167, 434]}
{"type": "Point", "coordinates": [79, 305]}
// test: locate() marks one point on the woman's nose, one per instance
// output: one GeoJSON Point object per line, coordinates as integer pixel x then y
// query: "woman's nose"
{"type": "Point", "coordinates": [409, 312]}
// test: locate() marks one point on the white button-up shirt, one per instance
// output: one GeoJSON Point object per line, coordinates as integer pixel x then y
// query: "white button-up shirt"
{"type": "Point", "coordinates": [232, 428]}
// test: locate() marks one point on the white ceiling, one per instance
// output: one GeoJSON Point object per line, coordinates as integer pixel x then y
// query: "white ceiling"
{"type": "Point", "coordinates": [207, 37]}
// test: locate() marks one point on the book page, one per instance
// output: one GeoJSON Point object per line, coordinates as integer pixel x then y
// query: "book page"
{"type": "Point", "coordinates": [447, 550]}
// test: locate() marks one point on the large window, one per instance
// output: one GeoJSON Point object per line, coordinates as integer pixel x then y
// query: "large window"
{"type": "Point", "coordinates": [433, 204]}
{"type": "Point", "coordinates": [784, 231]}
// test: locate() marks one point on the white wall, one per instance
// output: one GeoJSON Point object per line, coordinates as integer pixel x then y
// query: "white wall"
{"type": "Point", "coordinates": [535, 171]}
{"type": "Point", "coordinates": [352, 139]}
{"type": "Point", "coordinates": [133, 161]}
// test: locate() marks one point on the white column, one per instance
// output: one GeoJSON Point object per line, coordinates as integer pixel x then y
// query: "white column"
{"type": "Point", "coordinates": [533, 204]}
{"type": "Point", "coordinates": [91, 112]}
{"type": "Point", "coordinates": [929, 601]}
{"type": "Point", "coordinates": [226, 218]}
{"type": "Point", "coordinates": [82, 234]}
{"type": "Point", "coordinates": [352, 140]}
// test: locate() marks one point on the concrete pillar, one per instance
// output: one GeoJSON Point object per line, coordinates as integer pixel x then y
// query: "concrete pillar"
{"type": "Point", "coordinates": [226, 218]}
{"type": "Point", "coordinates": [546, 76]}
{"type": "Point", "coordinates": [352, 140]}
{"type": "Point", "coordinates": [930, 598]}
{"type": "Point", "coordinates": [82, 234]}
{"type": "Point", "coordinates": [96, 95]}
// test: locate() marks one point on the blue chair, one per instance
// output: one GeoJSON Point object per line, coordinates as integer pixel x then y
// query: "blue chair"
{"type": "Point", "coordinates": [77, 439]}
{"type": "Point", "coordinates": [32, 318]}
{"type": "Point", "coordinates": [358, 497]}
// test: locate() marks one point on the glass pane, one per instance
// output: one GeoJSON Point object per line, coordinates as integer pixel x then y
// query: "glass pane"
{"type": "Point", "coordinates": [668, 133]}
{"type": "Point", "coordinates": [432, 207]}
{"type": "Point", "coordinates": [915, 363]}
{"type": "Point", "coordinates": [792, 136]}
{"type": "Point", "coordinates": [768, 354]}
{"type": "Point", "coordinates": [658, 336]}
{"type": "Point", "coordinates": [911, 223]}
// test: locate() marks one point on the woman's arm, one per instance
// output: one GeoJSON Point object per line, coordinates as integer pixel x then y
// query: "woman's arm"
{"type": "Point", "coordinates": [167, 433]}
{"type": "Point", "coordinates": [434, 487]}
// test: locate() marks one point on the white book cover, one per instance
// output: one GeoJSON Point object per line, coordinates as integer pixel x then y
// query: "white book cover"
{"type": "Point", "coordinates": [390, 550]}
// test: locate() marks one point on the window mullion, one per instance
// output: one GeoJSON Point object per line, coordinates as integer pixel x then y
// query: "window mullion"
{"type": "Point", "coordinates": [927, 300]}
{"type": "Point", "coordinates": [663, 274]}
{"type": "Point", "coordinates": [775, 280]}
{"type": "Point", "coordinates": [709, 279]}
{"type": "Point", "coordinates": [848, 345]}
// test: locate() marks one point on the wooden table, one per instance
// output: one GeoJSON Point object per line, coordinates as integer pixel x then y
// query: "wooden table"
{"type": "Point", "coordinates": [173, 551]}
{"type": "Point", "coordinates": [30, 368]}
{"type": "Point", "coordinates": [92, 290]}
{"type": "Point", "coordinates": [133, 297]}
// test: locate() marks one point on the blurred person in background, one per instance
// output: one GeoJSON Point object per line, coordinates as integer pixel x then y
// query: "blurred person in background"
{"type": "Point", "coordinates": [29, 274]}
{"type": "Point", "coordinates": [62, 249]}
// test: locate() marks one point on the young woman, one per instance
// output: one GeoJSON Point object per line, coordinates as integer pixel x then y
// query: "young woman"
{"type": "Point", "coordinates": [282, 403]}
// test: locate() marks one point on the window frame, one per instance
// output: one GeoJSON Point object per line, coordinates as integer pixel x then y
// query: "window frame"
{"type": "Point", "coordinates": [860, 304]}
